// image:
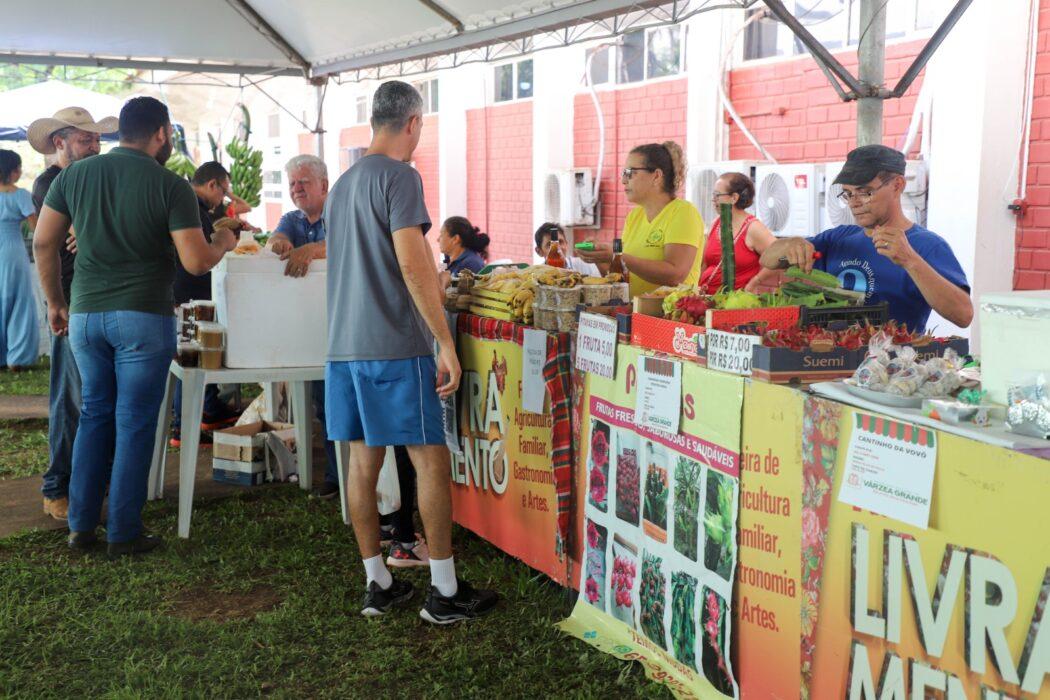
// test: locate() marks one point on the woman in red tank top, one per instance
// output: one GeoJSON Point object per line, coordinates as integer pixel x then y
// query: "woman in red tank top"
{"type": "Point", "coordinates": [750, 236]}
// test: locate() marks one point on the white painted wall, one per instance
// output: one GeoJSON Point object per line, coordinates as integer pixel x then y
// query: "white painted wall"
{"type": "Point", "coordinates": [977, 86]}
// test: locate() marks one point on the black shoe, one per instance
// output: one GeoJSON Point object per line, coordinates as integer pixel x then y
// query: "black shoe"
{"type": "Point", "coordinates": [467, 604]}
{"type": "Point", "coordinates": [379, 601]}
{"type": "Point", "coordinates": [326, 491]}
{"type": "Point", "coordinates": [140, 545]}
{"type": "Point", "coordinates": [82, 541]}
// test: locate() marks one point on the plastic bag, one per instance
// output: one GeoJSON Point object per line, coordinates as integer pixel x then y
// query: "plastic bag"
{"type": "Point", "coordinates": [1028, 408]}
{"type": "Point", "coordinates": [904, 359]}
{"type": "Point", "coordinates": [942, 375]}
{"type": "Point", "coordinates": [872, 372]}
{"type": "Point", "coordinates": [388, 488]}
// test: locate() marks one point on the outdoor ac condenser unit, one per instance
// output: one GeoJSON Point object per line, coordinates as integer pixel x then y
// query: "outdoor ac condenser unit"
{"type": "Point", "coordinates": [787, 198]}
{"type": "Point", "coordinates": [567, 197]}
{"type": "Point", "coordinates": [700, 183]}
{"type": "Point", "coordinates": [913, 201]}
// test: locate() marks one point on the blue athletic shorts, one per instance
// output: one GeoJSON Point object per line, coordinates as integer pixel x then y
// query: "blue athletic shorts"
{"type": "Point", "coordinates": [384, 402]}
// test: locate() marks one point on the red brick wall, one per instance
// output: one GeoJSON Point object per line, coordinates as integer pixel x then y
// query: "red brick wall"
{"type": "Point", "coordinates": [1032, 243]}
{"type": "Point", "coordinates": [499, 177]}
{"type": "Point", "coordinates": [815, 125]}
{"type": "Point", "coordinates": [308, 144]}
{"type": "Point", "coordinates": [352, 137]}
{"type": "Point", "coordinates": [646, 113]}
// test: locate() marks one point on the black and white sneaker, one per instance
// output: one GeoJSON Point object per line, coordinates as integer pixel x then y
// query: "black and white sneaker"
{"type": "Point", "coordinates": [467, 604]}
{"type": "Point", "coordinates": [379, 602]}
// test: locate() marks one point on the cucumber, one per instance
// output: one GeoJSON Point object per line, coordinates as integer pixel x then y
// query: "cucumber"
{"type": "Point", "coordinates": [728, 254]}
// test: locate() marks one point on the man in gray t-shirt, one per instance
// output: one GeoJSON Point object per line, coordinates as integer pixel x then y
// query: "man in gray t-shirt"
{"type": "Point", "coordinates": [382, 384]}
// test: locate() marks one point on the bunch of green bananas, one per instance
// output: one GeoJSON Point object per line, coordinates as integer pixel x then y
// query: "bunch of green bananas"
{"type": "Point", "coordinates": [246, 171]}
{"type": "Point", "coordinates": [180, 164]}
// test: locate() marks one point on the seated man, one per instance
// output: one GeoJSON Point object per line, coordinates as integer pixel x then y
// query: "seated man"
{"type": "Point", "coordinates": [300, 238]}
{"type": "Point", "coordinates": [543, 246]}
{"type": "Point", "coordinates": [885, 255]}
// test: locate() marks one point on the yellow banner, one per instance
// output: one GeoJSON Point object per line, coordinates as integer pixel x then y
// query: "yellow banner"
{"type": "Point", "coordinates": [503, 483]}
{"type": "Point", "coordinates": [836, 602]}
{"type": "Point", "coordinates": [659, 529]}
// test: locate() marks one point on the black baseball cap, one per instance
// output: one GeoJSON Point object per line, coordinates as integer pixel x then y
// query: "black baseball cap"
{"type": "Point", "coordinates": [864, 163]}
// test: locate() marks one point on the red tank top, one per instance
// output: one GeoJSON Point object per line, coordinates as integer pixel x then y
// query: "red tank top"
{"type": "Point", "coordinates": [746, 259]}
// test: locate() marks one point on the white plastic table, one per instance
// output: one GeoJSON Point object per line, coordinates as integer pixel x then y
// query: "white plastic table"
{"type": "Point", "coordinates": [193, 383]}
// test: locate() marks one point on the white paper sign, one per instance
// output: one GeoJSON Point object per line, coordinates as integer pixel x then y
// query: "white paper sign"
{"type": "Point", "coordinates": [659, 401]}
{"type": "Point", "coordinates": [730, 352]}
{"type": "Point", "coordinates": [889, 469]}
{"type": "Point", "coordinates": [534, 357]}
{"type": "Point", "coordinates": [596, 345]}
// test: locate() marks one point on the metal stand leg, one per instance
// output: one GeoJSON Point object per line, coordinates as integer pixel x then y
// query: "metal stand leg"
{"type": "Point", "coordinates": [192, 410]}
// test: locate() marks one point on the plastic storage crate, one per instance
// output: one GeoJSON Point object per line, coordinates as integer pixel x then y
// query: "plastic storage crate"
{"type": "Point", "coordinates": [876, 315]}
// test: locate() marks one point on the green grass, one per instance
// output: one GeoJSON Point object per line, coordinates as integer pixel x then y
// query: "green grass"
{"type": "Point", "coordinates": [263, 600]}
{"type": "Point", "coordinates": [23, 447]}
{"type": "Point", "coordinates": [32, 382]}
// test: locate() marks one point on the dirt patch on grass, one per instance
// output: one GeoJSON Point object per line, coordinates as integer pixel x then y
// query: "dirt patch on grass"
{"type": "Point", "coordinates": [203, 603]}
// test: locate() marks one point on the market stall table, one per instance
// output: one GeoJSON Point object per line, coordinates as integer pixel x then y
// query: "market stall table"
{"type": "Point", "coordinates": [193, 383]}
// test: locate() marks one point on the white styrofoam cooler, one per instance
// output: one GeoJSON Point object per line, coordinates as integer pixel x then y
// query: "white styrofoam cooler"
{"type": "Point", "coordinates": [1015, 335]}
{"type": "Point", "coordinates": [271, 320]}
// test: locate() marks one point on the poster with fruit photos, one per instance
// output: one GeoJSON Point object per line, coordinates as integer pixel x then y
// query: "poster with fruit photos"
{"type": "Point", "coordinates": [659, 530]}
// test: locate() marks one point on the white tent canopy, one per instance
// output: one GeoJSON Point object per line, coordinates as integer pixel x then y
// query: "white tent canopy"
{"type": "Point", "coordinates": [20, 107]}
{"type": "Point", "coordinates": [311, 37]}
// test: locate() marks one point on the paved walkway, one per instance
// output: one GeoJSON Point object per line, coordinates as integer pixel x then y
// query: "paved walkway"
{"type": "Point", "coordinates": [21, 505]}
{"type": "Point", "coordinates": [19, 407]}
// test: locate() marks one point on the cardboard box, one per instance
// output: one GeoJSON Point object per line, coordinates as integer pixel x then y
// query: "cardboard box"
{"type": "Point", "coordinates": [230, 465]}
{"type": "Point", "coordinates": [244, 443]}
{"type": "Point", "coordinates": [663, 335]}
{"type": "Point", "coordinates": [786, 366]}
{"type": "Point", "coordinates": [238, 478]}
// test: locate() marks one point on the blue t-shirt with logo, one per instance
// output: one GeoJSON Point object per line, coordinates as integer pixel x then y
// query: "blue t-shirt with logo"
{"type": "Point", "coordinates": [850, 255]}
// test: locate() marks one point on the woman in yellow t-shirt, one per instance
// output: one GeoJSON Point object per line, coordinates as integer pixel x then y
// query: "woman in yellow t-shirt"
{"type": "Point", "coordinates": [663, 235]}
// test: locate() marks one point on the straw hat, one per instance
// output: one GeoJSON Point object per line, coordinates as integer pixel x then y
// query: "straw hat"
{"type": "Point", "coordinates": [39, 133]}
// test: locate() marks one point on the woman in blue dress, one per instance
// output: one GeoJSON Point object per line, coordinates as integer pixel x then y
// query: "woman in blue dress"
{"type": "Point", "coordinates": [19, 332]}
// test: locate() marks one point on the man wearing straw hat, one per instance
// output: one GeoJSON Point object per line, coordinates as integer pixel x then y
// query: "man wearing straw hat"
{"type": "Point", "coordinates": [71, 135]}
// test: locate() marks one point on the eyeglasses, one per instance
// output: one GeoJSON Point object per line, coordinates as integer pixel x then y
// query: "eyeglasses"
{"type": "Point", "coordinates": [861, 197]}
{"type": "Point", "coordinates": [716, 194]}
{"type": "Point", "coordinates": [628, 173]}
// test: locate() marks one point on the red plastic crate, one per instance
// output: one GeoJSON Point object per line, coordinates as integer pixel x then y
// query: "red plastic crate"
{"type": "Point", "coordinates": [663, 335]}
{"type": "Point", "coordinates": [776, 318]}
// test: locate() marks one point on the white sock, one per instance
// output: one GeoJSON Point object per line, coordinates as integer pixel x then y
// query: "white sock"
{"type": "Point", "coordinates": [376, 571]}
{"type": "Point", "coordinates": [443, 576]}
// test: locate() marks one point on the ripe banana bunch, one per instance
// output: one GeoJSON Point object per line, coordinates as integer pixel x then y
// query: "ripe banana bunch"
{"type": "Point", "coordinates": [507, 281]}
{"type": "Point", "coordinates": [246, 171]}
{"type": "Point", "coordinates": [521, 303]}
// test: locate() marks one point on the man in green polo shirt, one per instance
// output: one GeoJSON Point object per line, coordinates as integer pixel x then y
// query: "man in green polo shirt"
{"type": "Point", "coordinates": [132, 217]}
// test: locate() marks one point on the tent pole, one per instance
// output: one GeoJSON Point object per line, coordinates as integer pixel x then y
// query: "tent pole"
{"type": "Point", "coordinates": [871, 56]}
{"type": "Point", "coordinates": [319, 91]}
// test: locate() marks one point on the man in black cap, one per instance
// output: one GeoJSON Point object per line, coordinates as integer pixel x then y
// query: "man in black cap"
{"type": "Point", "coordinates": [884, 255]}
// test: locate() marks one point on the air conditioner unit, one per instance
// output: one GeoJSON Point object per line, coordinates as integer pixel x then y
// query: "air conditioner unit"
{"type": "Point", "coordinates": [700, 183]}
{"type": "Point", "coordinates": [567, 197]}
{"type": "Point", "coordinates": [837, 213]}
{"type": "Point", "coordinates": [787, 198]}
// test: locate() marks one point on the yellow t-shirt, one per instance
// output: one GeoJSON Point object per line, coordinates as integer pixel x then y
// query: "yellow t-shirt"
{"type": "Point", "coordinates": [678, 222]}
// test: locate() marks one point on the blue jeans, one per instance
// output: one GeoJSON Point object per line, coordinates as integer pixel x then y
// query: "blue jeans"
{"type": "Point", "coordinates": [331, 470]}
{"type": "Point", "coordinates": [63, 414]}
{"type": "Point", "coordinates": [123, 357]}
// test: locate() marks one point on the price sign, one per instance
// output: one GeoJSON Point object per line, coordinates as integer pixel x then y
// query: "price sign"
{"type": "Point", "coordinates": [534, 356]}
{"type": "Point", "coordinates": [730, 352]}
{"type": "Point", "coordinates": [659, 400]}
{"type": "Point", "coordinates": [596, 345]}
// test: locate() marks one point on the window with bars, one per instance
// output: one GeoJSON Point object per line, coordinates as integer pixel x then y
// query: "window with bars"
{"type": "Point", "coordinates": [513, 81]}
{"type": "Point", "coordinates": [836, 24]}
{"type": "Point", "coordinates": [641, 55]}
